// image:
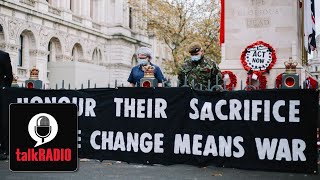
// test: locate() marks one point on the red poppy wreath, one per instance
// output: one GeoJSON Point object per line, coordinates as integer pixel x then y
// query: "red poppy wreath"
{"type": "Point", "coordinates": [258, 57]}
{"type": "Point", "coordinates": [233, 79]}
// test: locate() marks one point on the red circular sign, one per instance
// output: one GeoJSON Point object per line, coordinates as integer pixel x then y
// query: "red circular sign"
{"type": "Point", "coordinates": [30, 85]}
{"type": "Point", "coordinates": [289, 81]}
{"type": "Point", "coordinates": [258, 57]}
{"type": "Point", "coordinates": [146, 84]}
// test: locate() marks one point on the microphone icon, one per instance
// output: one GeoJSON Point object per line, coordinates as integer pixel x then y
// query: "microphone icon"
{"type": "Point", "coordinates": [43, 128]}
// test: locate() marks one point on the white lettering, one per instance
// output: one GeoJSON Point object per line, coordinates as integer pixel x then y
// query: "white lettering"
{"type": "Point", "coordinates": [193, 104]}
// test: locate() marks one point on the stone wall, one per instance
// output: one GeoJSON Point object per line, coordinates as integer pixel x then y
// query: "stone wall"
{"type": "Point", "coordinates": [272, 21]}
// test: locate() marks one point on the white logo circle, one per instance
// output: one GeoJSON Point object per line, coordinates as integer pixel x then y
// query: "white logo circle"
{"type": "Point", "coordinates": [42, 128]}
{"type": "Point", "coordinates": [258, 58]}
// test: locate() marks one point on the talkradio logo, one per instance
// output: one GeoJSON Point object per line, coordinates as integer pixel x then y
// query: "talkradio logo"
{"type": "Point", "coordinates": [42, 128]}
{"type": "Point", "coordinates": [43, 137]}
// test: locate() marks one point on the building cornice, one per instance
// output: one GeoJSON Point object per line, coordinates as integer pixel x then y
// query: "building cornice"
{"type": "Point", "coordinates": [36, 52]}
{"type": "Point", "coordinates": [9, 47]}
{"type": "Point", "coordinates": [117, 65]}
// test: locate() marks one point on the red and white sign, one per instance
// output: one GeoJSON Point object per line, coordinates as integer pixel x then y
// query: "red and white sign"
{"type": "Point", "coordinates": [259, 56]}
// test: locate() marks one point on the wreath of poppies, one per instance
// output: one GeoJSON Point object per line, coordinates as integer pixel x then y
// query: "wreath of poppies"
{"type": "Point", "coordinates": [279, 81]}
{"type": "Point", "coordinates": [261, 78]}
{"type": "Point", "coordinates": [260, 44]}
{"type": "Point", "coordinates": [313, 83]}
{"type": "Point", "coordinates": [233, 80]}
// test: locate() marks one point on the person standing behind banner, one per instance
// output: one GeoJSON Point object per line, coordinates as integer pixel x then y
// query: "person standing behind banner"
{"type": "Point", "coordinates": [6, 75]}
{"type": "Point", "coordinates": [6, 78]}
{"type": "Point", "coordinates": [144, 55]}
{"type": "Point", "coordinates": [199, 68]}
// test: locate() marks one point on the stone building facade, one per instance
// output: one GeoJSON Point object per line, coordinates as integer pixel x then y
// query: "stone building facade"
{"type": "Point", "coordinates": [74, 40]}
{"type": "Point", "coordinates": [277, 23]}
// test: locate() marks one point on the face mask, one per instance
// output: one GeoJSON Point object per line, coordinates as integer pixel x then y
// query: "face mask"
{"type": "Point", "coordinates": [195, 58]}
{"type": "Point", "coordinates": [142, 62]}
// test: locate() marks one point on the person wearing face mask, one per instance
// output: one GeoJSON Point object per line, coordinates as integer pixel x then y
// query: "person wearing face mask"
{"type": "Point", "coordinates": [199, 68]}
{"type": "Point", "coordinates": [144, 55]}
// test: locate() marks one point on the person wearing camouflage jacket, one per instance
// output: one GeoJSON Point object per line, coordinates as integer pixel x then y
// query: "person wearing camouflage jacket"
{"type": "Point", "coordinates": [200, 69]}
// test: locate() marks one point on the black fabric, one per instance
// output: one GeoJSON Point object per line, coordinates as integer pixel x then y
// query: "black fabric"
{"type": "Point", "coordinates": [5, 69]}
{"type": "Point", "coordinates": [178, 120]}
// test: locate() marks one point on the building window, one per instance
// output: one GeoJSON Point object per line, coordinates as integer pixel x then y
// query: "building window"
{"type": "Point", "coordinates": [1, 34]}
{"type": "Point", "coordinates": [130, 18]}
{"type": "Point", "coordinates": [49, 49]}
{"type": "Point", "coordinates": [316, 68]}
{"type": "Point", "coordinates": [71, 5]}
{"type": "Point", "coordinates": [97, 56]}
{"type": "Point", "coordinates": [20, 51]}
{"type": "Point", "coordinates": [73, 52]}
{"type": "Point", "coordinates": [77, 52]}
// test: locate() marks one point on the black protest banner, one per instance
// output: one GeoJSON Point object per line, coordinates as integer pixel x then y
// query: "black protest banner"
{"type": "Point", "coordinates": [262, 130]}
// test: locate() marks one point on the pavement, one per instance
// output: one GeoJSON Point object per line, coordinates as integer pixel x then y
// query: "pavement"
{"type": "Point", "coordinates": [91, 169]}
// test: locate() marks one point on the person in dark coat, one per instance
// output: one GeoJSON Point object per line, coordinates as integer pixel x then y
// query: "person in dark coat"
{"type": "Point", "coordinates": [6, 76]}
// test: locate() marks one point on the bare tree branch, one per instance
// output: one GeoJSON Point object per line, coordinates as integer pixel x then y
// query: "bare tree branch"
{"type": "Point", "coordinates": [179, 22]}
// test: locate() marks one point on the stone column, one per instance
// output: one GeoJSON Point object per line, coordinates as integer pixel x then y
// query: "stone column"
{"type": "Point", "coordinates": [77, 7]}
{"type": "Point", "coordinates": [85, 13]}
{"type": "Point", "coordinates": [85, 8]}
{"type": "Point", "coordinates": [68, 5]}
{"type": "Point", "coordinates": [66, 11]}
{"type": "Point", "coordinates": [42, 5]}
{"type": "Point", "coordinates": [63, 4]}
{"type": "Point", "coordinates": [100, 11]}
{"type": "Point", "coordinates": [55, 3]}
{"type": "Point", "coordinates": [110, 14]}
{"type": "Point", "coordinates": [12, 49]}
{"type": "Point", "coordinates": [119, 12]}
{"type": "Point", "coordinates": [103, 12]}
{"type": "Point", "coordinates": [96, 10]}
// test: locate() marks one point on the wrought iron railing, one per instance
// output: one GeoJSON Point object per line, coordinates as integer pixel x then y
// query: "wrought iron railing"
{"type": "Point", "coordinates": [165, 84]}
